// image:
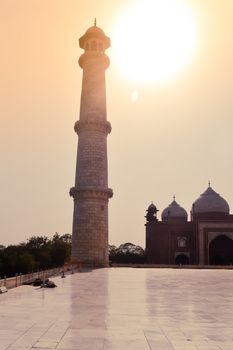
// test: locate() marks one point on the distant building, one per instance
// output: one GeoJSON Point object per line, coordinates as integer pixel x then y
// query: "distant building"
{"type": "Point", "coordinates": [207, 239]}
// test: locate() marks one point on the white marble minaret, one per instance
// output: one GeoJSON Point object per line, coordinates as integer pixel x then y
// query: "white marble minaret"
{"type": "Point", "coordinates": [91, 192]}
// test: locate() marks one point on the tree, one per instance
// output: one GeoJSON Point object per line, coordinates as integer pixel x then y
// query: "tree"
{"type": "Point", "coordinates": [26, 263]}
{"type": "Point", "coordinates": [39, 252]}
{"type": "Point", "coordinates": [60, 249]}
{"type": "Point", "coordinates": [37, 242]}
{"type": "Point", "coordinates": [127, 253]}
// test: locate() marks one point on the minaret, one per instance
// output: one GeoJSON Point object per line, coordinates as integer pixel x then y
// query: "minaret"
{"type": "Point", "coordinates": [91, 192]}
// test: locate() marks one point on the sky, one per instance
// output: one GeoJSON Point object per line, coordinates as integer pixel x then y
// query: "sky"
{"type": "Point", "coordinates": [171, 140]}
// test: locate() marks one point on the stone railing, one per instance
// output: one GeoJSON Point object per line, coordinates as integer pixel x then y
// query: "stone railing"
{"type": "Point", "coordinates": [20, 279]}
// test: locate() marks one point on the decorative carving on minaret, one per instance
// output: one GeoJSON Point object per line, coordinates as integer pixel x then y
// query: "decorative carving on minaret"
{"type": "Point", "coordinates": [91, 192]}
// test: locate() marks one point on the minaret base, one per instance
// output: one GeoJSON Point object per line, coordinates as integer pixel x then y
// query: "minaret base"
{"type": "Point", "coordinates": [90, 226]}
{"type": "Point", "coordinates": [87, 264]}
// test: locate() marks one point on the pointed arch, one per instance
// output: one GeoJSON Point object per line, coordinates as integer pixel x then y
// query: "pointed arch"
{"type": "Point", "coordinates": [182, 259]}
{"type": "Point", "coordinates": [221, 251]}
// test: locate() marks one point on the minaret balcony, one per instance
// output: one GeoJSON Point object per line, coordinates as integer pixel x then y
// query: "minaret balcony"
{"type": "Point", "coordinates": [93, 125]}
{"type": "Point", "coordinates": [94, 59]}
{"type": "Point", "coordinates": [88, 192]}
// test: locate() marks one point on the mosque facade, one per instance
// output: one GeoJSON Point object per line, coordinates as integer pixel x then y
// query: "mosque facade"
{"type": "Point", "coordinates": [205, 239]}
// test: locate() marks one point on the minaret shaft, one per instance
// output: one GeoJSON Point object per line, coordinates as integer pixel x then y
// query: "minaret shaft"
{"type": "Point", "coordinates": [91, 192]}
{"type": "Point", "coordinates": [93, 100]}
{"type": "Point", "coordinates": [91, 168]}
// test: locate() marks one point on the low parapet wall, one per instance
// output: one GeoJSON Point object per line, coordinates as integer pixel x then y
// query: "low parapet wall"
{"type": "Point", "coordinates": [213, 267]}
{"type": "Point", "coordinates": [20, 279]}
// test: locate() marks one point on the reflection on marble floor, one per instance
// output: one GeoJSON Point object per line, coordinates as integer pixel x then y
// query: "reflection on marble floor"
{"type": "Point", "coordinates": [122, 308]}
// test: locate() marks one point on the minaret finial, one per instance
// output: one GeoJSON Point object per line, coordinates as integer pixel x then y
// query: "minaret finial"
{"type": "Point", "coordinates": [209, 183]}
{"type": "Point", "coordinates": [174, 197]}
{"type": "Point", "coordinates": [95, 22]}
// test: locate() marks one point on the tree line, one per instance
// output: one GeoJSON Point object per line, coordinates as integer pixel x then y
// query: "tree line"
{"type": "Point", "coordinates": [38, 253]}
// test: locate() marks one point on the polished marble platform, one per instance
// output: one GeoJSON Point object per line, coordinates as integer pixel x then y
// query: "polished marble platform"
{"type": "Point", "coordinates": [122, 309]}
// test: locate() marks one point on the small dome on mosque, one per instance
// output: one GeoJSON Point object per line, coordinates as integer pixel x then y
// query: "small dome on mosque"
{"type": "Point", "coordinates": [174, 211]}
{"type": "Point", "coordinates": [152, 206]}
{"type": "Point", "coordinates": [151, 215]}
{"type": "Point", "coordinates": [210, 202]}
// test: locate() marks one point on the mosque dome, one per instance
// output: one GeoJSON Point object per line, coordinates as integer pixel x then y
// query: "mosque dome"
{"type": "Point", "coordinates": [174, 211]}
{"type": "Point", "coordinates": [210, 202]}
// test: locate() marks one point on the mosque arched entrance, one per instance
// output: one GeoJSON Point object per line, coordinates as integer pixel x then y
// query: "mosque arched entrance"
{"type": "Point", "coordinates": [221, 251]}
{"type": "Point", "coordinates": [182, 259]}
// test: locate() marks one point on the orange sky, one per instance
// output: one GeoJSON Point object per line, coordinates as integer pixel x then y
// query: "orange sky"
{"type": "Point", "coordinates": [174, 139]}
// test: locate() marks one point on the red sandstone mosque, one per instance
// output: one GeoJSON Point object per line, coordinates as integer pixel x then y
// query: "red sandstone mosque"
{"type": "Point", "coordinates": [207, 239]}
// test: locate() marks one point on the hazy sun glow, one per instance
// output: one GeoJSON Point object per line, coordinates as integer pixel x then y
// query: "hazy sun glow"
{"type": "Point", "coordinates": [154, 39]}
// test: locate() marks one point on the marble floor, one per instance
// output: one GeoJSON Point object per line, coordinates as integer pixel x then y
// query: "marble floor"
{"type": "Point", "coordinates": [122, 308]}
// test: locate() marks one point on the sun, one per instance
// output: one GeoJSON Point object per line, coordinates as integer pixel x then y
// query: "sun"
{"type": "Point", "coordinates": [154, 39]}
